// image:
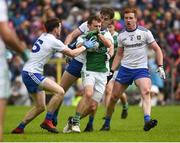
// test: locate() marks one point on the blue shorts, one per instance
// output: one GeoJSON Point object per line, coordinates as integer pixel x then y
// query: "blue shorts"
{"type": "Point", "coordinates": [32, 81]}
{"type": "Point", "coordinates": [74, 68]}
{"type": "Point", "coordinates": [127, 76]}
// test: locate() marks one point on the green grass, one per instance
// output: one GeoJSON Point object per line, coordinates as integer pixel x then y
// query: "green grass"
{"type": "Point", "coordinates": [130, 129]}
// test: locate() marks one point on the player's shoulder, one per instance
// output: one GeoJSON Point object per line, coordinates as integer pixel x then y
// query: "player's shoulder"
{"type": "Point", "coordinates": [122, 31]}
{"type": "Point", "coordinates": [141, 28]}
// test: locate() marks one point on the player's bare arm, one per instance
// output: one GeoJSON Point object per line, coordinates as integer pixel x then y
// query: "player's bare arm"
{"type": "Point", "coordinates": [73, 35]}
{"type": "Point", "coordinates": [117, 59]}
{"type": "Point", "coordinates": [159, 55]}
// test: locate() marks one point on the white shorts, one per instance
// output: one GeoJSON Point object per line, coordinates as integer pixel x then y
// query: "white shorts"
{"type": "Point", "coordinates": [97, 96]}
{"type": "Point", "coordinates": [97, 79]}
{"type": "Point", "coordinates": [4, 81]}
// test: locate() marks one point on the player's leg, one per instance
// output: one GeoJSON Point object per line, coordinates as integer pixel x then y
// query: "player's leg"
{"type": "Point", "coordinates": [108, 92]}
{"type": "Point", "coordinates": [123, 79]}
{"type": "Point", "coordinates": [84, 103]}
{"type": "Point", "coordinates": [96, 98]}
{"type": "Point", "coordinates": [124, 102]}
{"type": "Point", "coordinates": [144, 85]}
{"type": "Point", "coordinates": [99, 89]}
{"type": "Point", "coordinates": [66, 82]}
{"type": "Point", "coordinates": [117, 90]}
{"type": "Point", "coordinates": [32, 82]}
{"type": "Point", "coordinates": [58, 94]}
{"type": "Point", "coordinates": [2, 112]}
{"type": "Point", "coordinates": [70, 75]}
{"type": "Point", "coordinates": [4, 95]}
{"type": "Point", "coordinates": [39, 107]}
{"type": "Point", "coordinates": [88, 82]}
{"type": "Point", "coordinates": [123, 97]}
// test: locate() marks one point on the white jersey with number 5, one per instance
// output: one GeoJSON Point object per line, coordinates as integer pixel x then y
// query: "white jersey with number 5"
{"type": "Point", "coordinates": [42, 51]}
{"type": "Point", "coordinates": [135, 44]}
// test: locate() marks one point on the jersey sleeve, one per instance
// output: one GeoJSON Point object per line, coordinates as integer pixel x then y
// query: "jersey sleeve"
{"type": "Point", "coordinates": [119, 41]}
{"type": "Point", "coordinates": [108, 35]}
{"type": "Point", "coordinates": [83, 27]}
{"type": "Point", "coordinates": [3, 11]}
{"type": "Point", "coordinates": [58, 45]}
{"type": "Point", "coordinates": [80, 40]}
{"type": "Point", "coordinates": [149, 37]}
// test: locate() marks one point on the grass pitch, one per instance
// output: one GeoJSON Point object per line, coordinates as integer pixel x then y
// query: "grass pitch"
{"type": "Point", "coordinates": [122, 130]}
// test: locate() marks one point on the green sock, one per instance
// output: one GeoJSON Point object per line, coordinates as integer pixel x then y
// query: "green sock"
{"type": "Point", "coordinates": [125, 106]}
{"type": "Point", "coordinates": [77, 117]}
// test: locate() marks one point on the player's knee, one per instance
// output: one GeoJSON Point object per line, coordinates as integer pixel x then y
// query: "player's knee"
{"type": "Point", "coordinates": [114, 98]}
{"type": "Point", "coordinates": [41, 108]}
{"type": "Point", "coordinates": [146, 92]}
{"type": "Point", "coordinates": [60, 92]}
{"type": "Point", "coordinates": [88, 94]}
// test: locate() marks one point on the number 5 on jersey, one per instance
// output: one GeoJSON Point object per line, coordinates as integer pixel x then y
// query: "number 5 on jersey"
{"type": "Point", "coordinates": [37, 46]}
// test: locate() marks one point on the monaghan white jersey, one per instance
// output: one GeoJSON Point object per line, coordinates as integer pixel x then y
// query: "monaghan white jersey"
{"type": "Point", "coordinates": [135, 44]}
{"type": "Point", "coordinates": [3, 18]}
{"type": "Point", "coordinates": [42, 51]}
{"type": "Point", "coordinates": [83, 28]}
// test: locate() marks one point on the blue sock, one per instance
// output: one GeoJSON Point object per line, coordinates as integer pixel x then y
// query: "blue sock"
{"type": "Point", "coordinates": [107, 121]}
{"type": "Point", "coordinates": [147, 118]}
{"type": "Point", "coordinates": [21, 125]}
{"type": "Point", "coordinates": [91, 120]}
{"type": "Point", "coordinates": [49, 116]}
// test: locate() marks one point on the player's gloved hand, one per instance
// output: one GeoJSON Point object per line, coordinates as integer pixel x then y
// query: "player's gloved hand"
{"type": "Point", "coordinates": [161, 72]}
{"type": "Point", "coordinates": [110, 75]}
{"type": "Point", "coordinates": [68, 59]}
{"type": "Point", "coordinates": [25, 54]}
{"type": "Point", "coordinates": [89, 44]}
{"type": "Point", "coordinates": [108, 57]}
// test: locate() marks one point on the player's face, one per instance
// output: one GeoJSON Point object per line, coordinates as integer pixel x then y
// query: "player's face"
{"type": "Point", "coordinates": [111, 28]}
{"type": "Point", "coordinates": [130, 21]}
{"type": "Point", "coordinates": [95, 25]}
{"type": "Point", "coordinates": [105, 19]}
{"type": "Point", "coordinates": [59, 30]}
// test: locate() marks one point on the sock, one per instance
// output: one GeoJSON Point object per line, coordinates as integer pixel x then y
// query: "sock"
{"type": "Point", "coordinates": [125, 106]}
{"type": "Point", "coordinates": [107, 121]}
{"type": "Point", "coordinates": [77, 117]}
{"type": "Point", "coordinates": [91, 120]}
{"type": "Point", "coordinates": [147, 118]}
{"type": "Point", "coordinates": [55, 115]}
{"type": "Point", "coordinates": [21, 125]}
{"type": "Point", "coordinates": [49, 116]}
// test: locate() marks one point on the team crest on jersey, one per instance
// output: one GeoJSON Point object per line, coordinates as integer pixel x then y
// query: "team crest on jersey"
{"type": "Point", "coordinates": [139, 37]}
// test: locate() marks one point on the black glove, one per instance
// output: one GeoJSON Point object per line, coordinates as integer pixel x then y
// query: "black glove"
{"type": "Point", "coordinates": [110, 75]}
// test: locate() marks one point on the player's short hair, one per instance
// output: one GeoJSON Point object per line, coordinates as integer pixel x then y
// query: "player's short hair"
{"type": "Point", "coordinates": [112, 22]}
{"type": "Point", "coordinates": [130, 10]}
{"type": "Point", "coordinates": [52, 23]}
{"type": "Point", "coordinates": [107, 11]}
{"type": "Point", "coordinates": [93, 18]}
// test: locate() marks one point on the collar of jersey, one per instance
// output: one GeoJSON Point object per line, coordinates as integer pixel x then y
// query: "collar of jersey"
{"type": "Point", "coordinates": [131, 30]}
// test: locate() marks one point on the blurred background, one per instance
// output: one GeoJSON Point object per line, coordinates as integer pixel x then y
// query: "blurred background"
{"type": "Point", "coordinates": [162, 17]}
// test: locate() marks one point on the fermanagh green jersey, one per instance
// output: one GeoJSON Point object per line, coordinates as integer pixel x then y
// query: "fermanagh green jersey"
{"type": "Point", "coordinates": [96, 58]}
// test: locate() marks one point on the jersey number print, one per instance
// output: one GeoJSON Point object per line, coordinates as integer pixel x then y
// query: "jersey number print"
{"type": "Point", "coordinates": [37, 46]}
